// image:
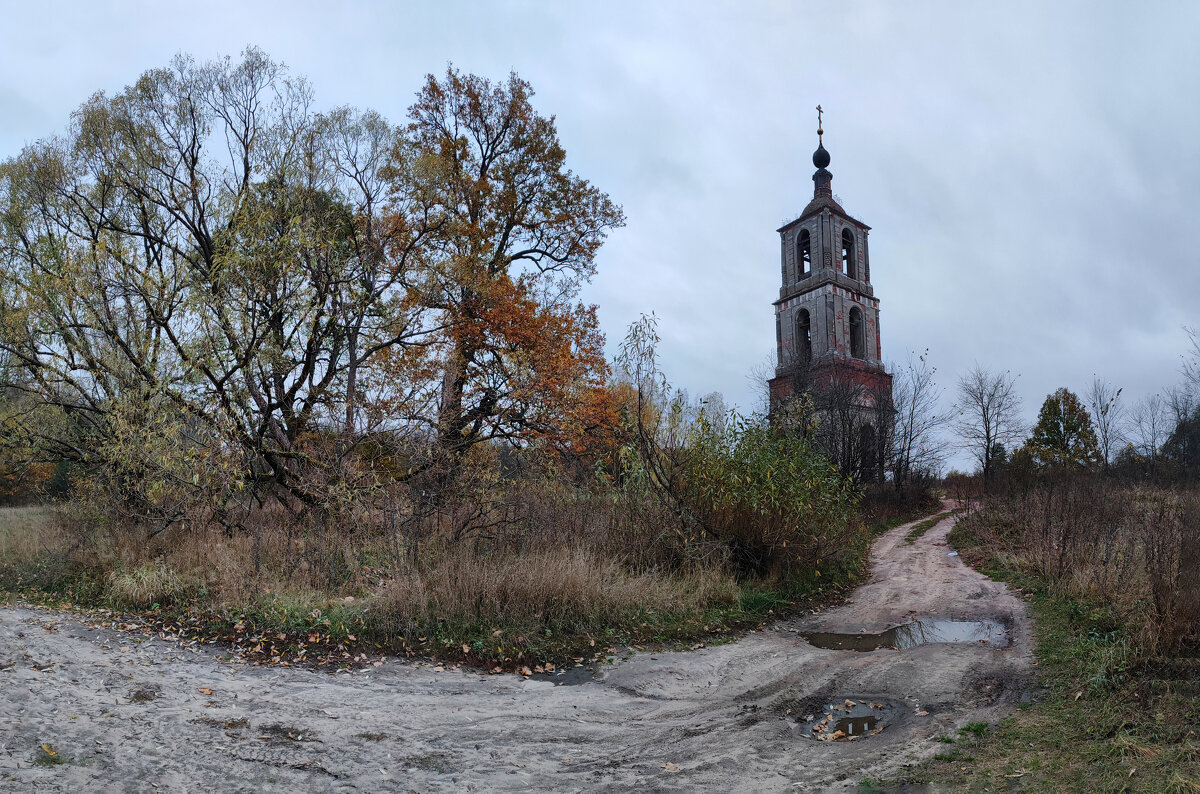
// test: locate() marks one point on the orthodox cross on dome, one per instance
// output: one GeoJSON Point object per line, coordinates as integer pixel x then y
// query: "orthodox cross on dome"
{"type": "Point", "coordinates": [820, 131]}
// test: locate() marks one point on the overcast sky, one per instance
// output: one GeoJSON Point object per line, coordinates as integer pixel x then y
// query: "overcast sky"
{"type": "Point", "coordinates": [1031, 174]}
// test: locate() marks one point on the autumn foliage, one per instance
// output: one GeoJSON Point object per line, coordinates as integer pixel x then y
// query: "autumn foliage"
{"type": "Point", "coordinates": [217, 297]}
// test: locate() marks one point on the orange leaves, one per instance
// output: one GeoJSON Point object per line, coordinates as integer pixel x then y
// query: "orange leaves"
{"type": "Point", "coordinates": [517, 233]}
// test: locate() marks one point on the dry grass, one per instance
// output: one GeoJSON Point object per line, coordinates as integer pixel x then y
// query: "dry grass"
{"type": "Point", "coordinates": [407, 579]}
{"type": "Point", "coordinates": [566, 588]}
{"type": "Point", "coordinates": [145, 585]}
{"type": "Point", "coordinates": [558, 567]}
{"type": "Point", "coordinates": [1133, 550]}
{"type": "Point", "coordinates": [26, 533]}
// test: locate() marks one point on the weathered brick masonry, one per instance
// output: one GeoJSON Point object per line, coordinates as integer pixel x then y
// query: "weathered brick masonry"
{"type": "Point", "coordinates": [827, 315]}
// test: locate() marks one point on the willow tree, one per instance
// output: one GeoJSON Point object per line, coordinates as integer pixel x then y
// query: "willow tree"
{"type": "Point", "coordinates": [211, 292]}
{"type": "Point", "coordinates": [202, 269]}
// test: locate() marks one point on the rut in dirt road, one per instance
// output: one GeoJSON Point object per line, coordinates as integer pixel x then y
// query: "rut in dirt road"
{"type": "Point", "coordinates": [126, 716]}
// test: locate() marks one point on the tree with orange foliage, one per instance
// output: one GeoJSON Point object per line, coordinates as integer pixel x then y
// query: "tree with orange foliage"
{"type": "Point", "coordinates": [522, 358]}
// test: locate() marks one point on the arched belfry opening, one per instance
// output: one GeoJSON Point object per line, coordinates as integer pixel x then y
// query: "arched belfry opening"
{"type": "Point", "coordinates": [858, 340]}
{"type": "Point", "coordinates": [827, 330]}
{"type": "Point", "coordinates": [848, 253]}
{"type": "Point", "coordinates": [803, 254]}
{"type": "Point", "coordinates": [803, 336]}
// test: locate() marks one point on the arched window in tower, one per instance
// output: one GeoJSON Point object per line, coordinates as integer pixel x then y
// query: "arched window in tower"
{"type": "Point", "coordinates": [848, 254]}
{"type": "Point", "coordinates": [803, 254]}
{"type": "Point", "coordinates": [803, 337]}
{"type": "Point", "coordinates": [858, 340]}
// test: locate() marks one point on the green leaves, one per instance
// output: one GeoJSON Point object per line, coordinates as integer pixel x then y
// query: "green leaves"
{"type": "Point", "coordinates": [1063, 435]}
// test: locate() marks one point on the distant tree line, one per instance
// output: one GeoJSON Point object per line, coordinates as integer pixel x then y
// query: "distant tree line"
{"type": "Point", "coordinates": [1157, 438]}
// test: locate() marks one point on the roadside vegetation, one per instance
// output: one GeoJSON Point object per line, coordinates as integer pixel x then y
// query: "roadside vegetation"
{"type": "Point", "coordinates": [1098, 522]}
{"type": "Point", "coordinates": [322, 383]}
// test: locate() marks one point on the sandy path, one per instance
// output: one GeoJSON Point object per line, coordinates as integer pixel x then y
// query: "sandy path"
{"type": "Point", "coordinates": [719, 715]}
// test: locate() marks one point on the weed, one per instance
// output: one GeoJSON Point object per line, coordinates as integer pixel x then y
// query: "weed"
{"type": "Point", "coordinates": [143, 694]}
{"type": "Point", "coordinates": [48, 755]}
{"type": "Point", "coordinates": [977, 728]}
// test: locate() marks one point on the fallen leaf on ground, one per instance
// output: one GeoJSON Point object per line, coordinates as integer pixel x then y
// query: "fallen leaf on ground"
{"type": "Point", "coordinates": [670, 767]}
{"type": "Point", "coordinates": [46, 749]}
{"type": "Point", "coordinates": [204, 691]}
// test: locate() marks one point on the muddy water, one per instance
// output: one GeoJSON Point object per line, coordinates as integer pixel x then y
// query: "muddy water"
{"type": "Point", "coordinates": [848, 720]}
{"type": "Point", "coordinates": [988, 633]}
{"type": "Point", "coordinates": [571, 676]}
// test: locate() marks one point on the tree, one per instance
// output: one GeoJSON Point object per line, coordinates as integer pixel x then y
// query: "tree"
{"type": "Point", "coordinates": [212, 294]}
{"type": "Point", "coordinates": [1149, 424]}
{"type": "Point", "coordinates": [1108, 414]}
{"type": "Point", "coordinates": [915, 397]}
{"type": "Point", "coordinates": [197, 270]}
{"type": "Point", "coordinates": [1182, 448]}
{"type": "Point", "coordinates": [1191, 362]}
{"type": "Point", "coordinates": [521, 357]}
{"type": "Point", "coordinates": [988, 409]}
{"type": "Point", "coordinates": [1063, 436]}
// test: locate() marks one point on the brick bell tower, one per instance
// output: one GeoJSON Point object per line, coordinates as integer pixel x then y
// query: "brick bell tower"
{"type": "Point", "coordinates": [827, 315]}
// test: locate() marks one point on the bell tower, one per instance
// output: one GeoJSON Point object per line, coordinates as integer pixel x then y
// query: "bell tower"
{"type": "Point", "coordinates": [827, 325]}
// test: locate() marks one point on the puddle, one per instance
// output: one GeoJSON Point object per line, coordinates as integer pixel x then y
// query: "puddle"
{"type": "Point", "coordinates": [988, 633]}
{"type": "Point", "coordinates": [571, 676]}
{"type": "Point", "coordinates": [847, 721]}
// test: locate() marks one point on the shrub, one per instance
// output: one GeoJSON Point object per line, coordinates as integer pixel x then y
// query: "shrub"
{"type": "Point", "coordinates": [770, 496]}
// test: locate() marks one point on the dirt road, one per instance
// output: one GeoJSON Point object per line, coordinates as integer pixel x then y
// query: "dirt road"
{"type": "Point", "coordinates": [139, 717]}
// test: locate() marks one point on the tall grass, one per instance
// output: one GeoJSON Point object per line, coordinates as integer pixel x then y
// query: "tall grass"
{"type": "Point", "coordinates": [552, 564]}
{"type": "Point", "coordinates": [1132, 550]}
{"type": "Point", "coordinates": [27, 533]}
